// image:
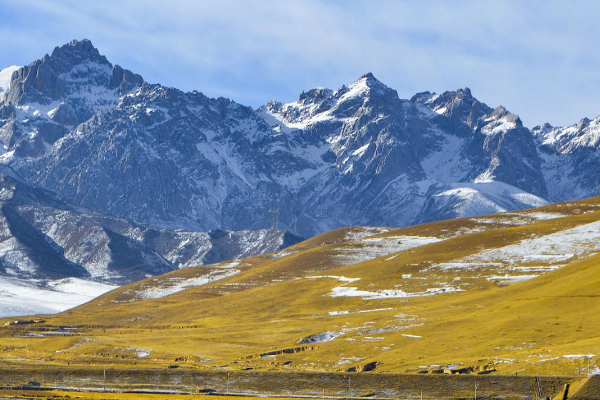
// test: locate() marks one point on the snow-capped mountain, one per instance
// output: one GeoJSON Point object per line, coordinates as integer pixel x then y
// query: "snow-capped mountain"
{"type": "Point", "coordinates": [105, 139]}
{"type": "Point", "coordinates": [570, 158]}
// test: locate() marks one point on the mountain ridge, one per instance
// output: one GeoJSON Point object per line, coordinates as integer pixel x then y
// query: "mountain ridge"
{"type": "Point", "coordinates": [358, 155]}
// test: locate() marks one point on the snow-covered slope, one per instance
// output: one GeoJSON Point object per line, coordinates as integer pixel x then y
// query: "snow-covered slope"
{"type": "Point", "coordinates": [5, 78]}
{"type": "Point", "coordinates": [479, 198]}
{"type": "Point", "coordinates": [570, 158]}
{"type": "Point", "coordinates": [20, 297]}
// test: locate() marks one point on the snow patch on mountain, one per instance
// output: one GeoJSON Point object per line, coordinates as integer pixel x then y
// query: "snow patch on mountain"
{"type": "Point", "coordinates": [480, 198]}
{"type": "Point", "coordinates": [5, 78]}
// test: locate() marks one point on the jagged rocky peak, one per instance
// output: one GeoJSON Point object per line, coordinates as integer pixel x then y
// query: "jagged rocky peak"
{"type": "Point", "coordinates": [309, 103]}
{"type": "Point", "coordinates": [583, 123]}
{"type": "Point", "coordinates": [366, 90]}
{"type": "Point", "coordinates": [459, 105]}
{"type": "Point", "coordinates": [68, 69]}
{"type": "Point", "coordinates": [583, 134]}
{"type": "Point", "coordinates": [500, 113]}
{"type": "Point", "coordinates": [367, 86]}
{"type": "Point", "coordinates": [315, 95]}
{"type": "Point", "coordinates": [542, 129]}
{"type": "Point", "coordinates": [78, 52]}
{"type": "Point", "coordinates": [372, 82]}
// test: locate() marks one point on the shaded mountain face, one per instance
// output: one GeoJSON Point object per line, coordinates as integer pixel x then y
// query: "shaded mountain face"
{"type": "Point", "coordinates": [45, 238]}
{"type": "Point", "coordinates": [102, 137]}
{"type": "Point", "coordinates": [570, 158]}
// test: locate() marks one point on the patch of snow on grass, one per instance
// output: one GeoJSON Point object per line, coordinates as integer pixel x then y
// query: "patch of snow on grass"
{"type": "Point", "coordinates": [320, 337]}
{"type": "Point", "coordinates": [228, 265]}
{"type": "Point", "coordinates": [282, 254]}
{"type": "Point", "coordinates": [542, 216]}
{"type": "Point", "coordinates": [339, 278]}
{"type": "Point", "coordinates": [556, 247]}
{"type": "Point", "coordinates": [375, 310]}
{"type": "Point", "coordinates": [579, 356]}
{"type": "Point", "coordinates": [464, 265]}
{"type": "Point", "coordinates": [370, 248]}
{"type": "Point", "coordinates": [365, 232]}
{"type": "Point", "coordinates": [541, 268]}
{"type": "Point", "coordinates": [173, 286]}
{"type": "Point", "coordinates": [511, 278]}
{"type": "Point", "coordinates": [349, 291]}
{"type": "Point", "coordinates": [142, 353]}
{"type": "Point", "coordinates": [334, 313]}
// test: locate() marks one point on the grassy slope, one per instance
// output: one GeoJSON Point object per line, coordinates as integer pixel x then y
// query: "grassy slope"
{"type": "Point", "coordinates": [524, 327]}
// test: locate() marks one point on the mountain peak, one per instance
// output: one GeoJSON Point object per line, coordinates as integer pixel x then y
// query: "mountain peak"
{"type": "Point", "coordinates": [458, 105]}
{"type": "Point", "coordinates": [79, 51]}
{"type": "Point", "coordinates": [368, 76]}
{"type": "Point", "coordinates": [365, 86]}
{"type": "Point", "coordinates": [370, 80]}
{"type": "Point", "coordinates": [314, 95]}
{"type": "Point", "coordinates": [83, 43]}
{"type": "Point", "coordinates": [583, 123]}
{"type": "Point", "coordinates": [466, 92]}
{"type": "Point", "coordinates": [501, 113]}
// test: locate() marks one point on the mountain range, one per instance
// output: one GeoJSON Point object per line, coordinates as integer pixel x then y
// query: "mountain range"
{"type": "Point", "coordinates": [102, 137]}
{"type": "Point", "coordinates": [108, 177]}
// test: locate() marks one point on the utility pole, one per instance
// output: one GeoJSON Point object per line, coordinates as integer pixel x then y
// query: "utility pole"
{"type": "Point", "coordinates": [274, 214]}
{"type": "Point", "coordinates": [349, 387]}
{"type": "Point", "coordinates": [475, 390]}
{"type": "Point", "coordinates": [228, 383]}
{"type": "Point", "coordinates": [104, 381]}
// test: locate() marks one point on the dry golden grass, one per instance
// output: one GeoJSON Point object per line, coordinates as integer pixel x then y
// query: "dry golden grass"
{"type": "Point", "coordinates": [525, 327]}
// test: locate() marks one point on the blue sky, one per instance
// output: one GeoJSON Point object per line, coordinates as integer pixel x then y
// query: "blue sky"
{"type": "Point", "coordinates": [537, 58]}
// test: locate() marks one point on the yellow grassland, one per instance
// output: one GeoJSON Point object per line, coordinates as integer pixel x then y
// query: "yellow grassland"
{"type": "Point", "coordinates": [516, 328]}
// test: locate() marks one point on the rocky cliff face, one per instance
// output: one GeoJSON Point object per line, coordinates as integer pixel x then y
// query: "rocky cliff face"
{"type": "Point", "coordinates": [570, 159]}
{"type": "Point", "coordinates": [45, 238]}
{"type": "Point", "coordinates": [101, 137]}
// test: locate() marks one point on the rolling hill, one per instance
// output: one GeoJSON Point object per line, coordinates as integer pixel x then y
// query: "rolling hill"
{"type": "Point", "coordinates": [511, 293]}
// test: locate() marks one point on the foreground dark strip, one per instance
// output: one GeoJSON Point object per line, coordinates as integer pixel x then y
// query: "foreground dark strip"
{"type": "Point", "coordinates": [282, 383]}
